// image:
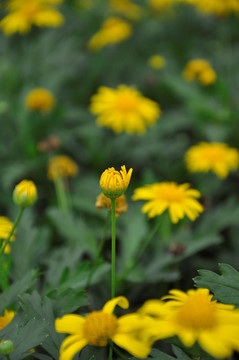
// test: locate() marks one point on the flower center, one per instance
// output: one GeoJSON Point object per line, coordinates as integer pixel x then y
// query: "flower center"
{"type": "Point", "coordinates": [126, 104]}
{"type": "Point", "coordinates": [30, 10]}
{"type": "Point", "coordinates": [99, 327]}
{"type": "Point", "coordinates": [214, 154]}
{"type": "Point", "coordinates": [170, 194]}
{"type": "Point", "coordinates": [197, 313]}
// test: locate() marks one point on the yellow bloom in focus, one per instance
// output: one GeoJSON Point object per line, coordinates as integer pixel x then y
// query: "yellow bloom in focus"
{"type": "Point", "coordinates": [5, 228]}
{"type": "Point", "coordinates": [200, 70]}
{"type": "Point", "coordinates": [113, 30]}
{"type": "Point", "coordinates": [156, 62]}
{"type": "Point", "coordinates": [114, 183]}
{"type": "Point", "coordinates": [62, 166]}
{"type": "Point", "coordinates": [126, 8]}
{"type": "Point", "coordinates": [24, 14]}
{"type": "Point", "coordinates": [178, 199]}
{"type": "Point", "coordinates": [103, 201]}
{"type": "Point", "coordinates": [217, 7]}
{"type": "Point", "coordinates": [193, 316]}
{"type": "Point", "coordinates": [161, 5]}
{"type": "Point", "coordinates": [217, 157]}
{"type": "Point", "coordinates": [124, 109]}
{"type": "Point", "coordinates": [98, 327]}
{"type": "Point", "coordinates": [25, 193]}
{"type": "Point", "coordinates": [6, 318]}
{"type": "Point", "coordinates": [40, 99]}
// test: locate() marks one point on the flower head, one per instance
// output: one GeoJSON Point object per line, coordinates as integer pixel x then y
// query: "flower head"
{"type": "Point", "coordinates": [40, 99]}
{"type": "Point", "coordinates": [23, 14]}
{"type": "Point", "coordinates": [5, 228]}
{"type": "Point", "coordinates": [114, 183]}
{"type": "Point", "coordinates": [180, 200]}
{"type": "Point", "coordinates": [217, 7]}
{"type": "Point", "coordinates": [156, 62]}
{"type": "Point", "coordinates": [124, 109]}
{"type": "Point", "coordinates": [98, 327]}
{"type": "Point", "coordinates": [103, 201]}
{"type": "Point", "coordinates": [217, 157]}
{"type": "Point", "coordinates": [193, 316]}
{"type": "Point", "coordinates": [201, 70]}
{"type": "Point", "coordinates": [126, 8]}
{"type": "Point", "coordinates": [25, 193]}
{"type": "Point", "coordinates": [62, 166]}
{"type": "Point", "coordinates": [6, 318]}
{"type": "Point", "coordinates": [113, 30]}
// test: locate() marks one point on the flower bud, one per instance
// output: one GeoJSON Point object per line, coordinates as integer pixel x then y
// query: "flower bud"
{"type": "Point", "coordinates": [114, 183]}
{"type": "Point", "coordinates": [25, 193]}
{"type": "Point", "coordinates": [6, 347]}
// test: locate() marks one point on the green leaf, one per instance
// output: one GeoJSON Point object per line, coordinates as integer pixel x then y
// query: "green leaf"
{"type": "Point", "coordinates": [225, 286]}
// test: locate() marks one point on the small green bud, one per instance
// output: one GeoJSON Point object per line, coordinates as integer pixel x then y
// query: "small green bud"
{"type": "Point", "coordinates": [25, 193]}
{"type": "Point", "coordinates": [6, 347]}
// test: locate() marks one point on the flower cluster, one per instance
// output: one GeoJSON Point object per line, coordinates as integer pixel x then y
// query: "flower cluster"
{"type": "Point", "coordinates": [23, 14]}
{"type": "Point", "coordinates": [201, 70]}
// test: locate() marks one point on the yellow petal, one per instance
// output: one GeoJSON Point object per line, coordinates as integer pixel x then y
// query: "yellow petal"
{"type": "Point", "coordinates": [111, 304]}
{"type": "Point", "coordinates": [70, 324]}
{"type": "Point", "coordinates": [70, 346]}
{"type": "Point", "coordinates": [136, 347]}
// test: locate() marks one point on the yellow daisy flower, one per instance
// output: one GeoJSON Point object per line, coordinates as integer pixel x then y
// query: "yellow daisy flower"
{"type": "Point", "coordinates": [5, 228]}
{"type": "Point", "coordinates": [217, 7]}
{"type": "Point", "coordinates": [24, 14]}
{"type": "Point", "coordinates": [113, 30]}
{"type": "Point", "coordinates": [63, 166]}
{"type": "Point", "coordinates": [98, 327]}
{"type": "Point", "coordinates": [156, 62]}
{"type": "Point", "coordinates": [124, 109]}
{"type": "Point", "coordinates": [126, 8]}
{"type": "Point", "coordinates": [40, 99]}
{"type": "Point", "coordinates": [193, 316]}
{"type": "Point", "coordinates": [217, 157]}
{"type": "Point", "coordinates": [201, 70]}
{"type": "Point", "coordinates": [114, 183]}
{"type": "Point", "coordinates": [6, 318]}
{"type": "Point", "coordinates": [178, 199]}
{"type": "Point", "coordinates": [103, 201]}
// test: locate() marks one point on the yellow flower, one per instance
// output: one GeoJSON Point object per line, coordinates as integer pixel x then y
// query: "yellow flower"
{"type": "Point", "coordinates": [217, 7]}
{"type": "Point", "coordinates": [200, 70]}
{"type": "Point", "coordinates": [178, 199]}
{"type": "Point", "coordinates": [98, 327]}
{"type": "Point", "coordinates": [217, 157]}
{"type": "Point", "coordinates": [124, 109]}
{"type": "Point", "coordinates": [5, 228]}
{"type": "Point", "coordinates": [161, 5]}
{"type": "Point", "coordinates": [62, 166]}
{"type": "Point", "coordinates": [156, 62]}
{"type": "Point", "coordinates": [114, 183]}
{"type": "Point", "coordinates": [40, 100]}
{"type": "Point", "coordinates": [6, 318]}
{"type": "Point", "coordinates": [25, 193]}
{"type": "Point", "coordinates": [193, 316]}
{"type": "Point", "coordinates": [126, 8]}
{"type": "Point", "coordinates": [113, 30]}
{"type": "Point", "coordinates": [24, 14]}
{"type": "Point", "coordinates": [103, 201]}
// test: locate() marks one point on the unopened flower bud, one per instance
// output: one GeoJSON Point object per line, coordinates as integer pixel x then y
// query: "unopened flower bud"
{"type": "Point", "coordinates": [6, 347]}
{"type": "Point", "coordinates": [114, 183]}
{"type": "Point", "coordinates": [25, 193]}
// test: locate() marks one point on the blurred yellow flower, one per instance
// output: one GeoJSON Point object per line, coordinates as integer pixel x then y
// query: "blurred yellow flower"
{"type": "Point", "coordinates": [201, 70]}
{"type": "Point", "coordinates": [5, 228]}
{"type": "Point", "coordinates": [25, 193]}
{"type": "Point", "coordinates": [99, 327]}
{"type": "Point", "coordinates": [40, 99]}
{"type": "Point", "coordinates": [113, 30]}
{"type": "Point", "coordinates": [62, 166]}
{"type": "Point", "coordinates": [124, 109]}
{"type": "Point", "coordinates": [103, 201]}
{"type": "Point", "coordinates": [161, 5]}
{"type": "Point", "coordinates": [6, 318]}
{"type": "Point", "coordinates": [114, 183]}
{"type": "Point", "coordinates": [23, 14]}
{"type": "Point", "coordinates": [156, 62]}
{"type": "Point", "coordinates": [217, 157]}
{"type": "Point", "coordinates": [193, 316]}
{"type": "Point", "coordinates": [217, 7]}
{"type": "Point", "coordinates": [126, 8]}
{"type": "Point", "coordinates": [178, 199]}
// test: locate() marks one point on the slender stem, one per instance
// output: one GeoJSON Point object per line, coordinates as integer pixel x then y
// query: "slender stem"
{"type": "Point", "coordinates": [8, 357]}
{"type": "Point", "coordinates": [119, 353]}
{"type": "Point", "coordinates": [61, 194]}
{"type": "Point", "coordinates": [111, 351]}
{"type": "Point", "coordinates": [100, 248]}
{"type": "Point", "coordinates": [113, 250]}
{"type": "Point", "coordinates": [12, 231]}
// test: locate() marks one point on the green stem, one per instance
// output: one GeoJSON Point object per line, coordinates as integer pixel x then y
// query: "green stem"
{"type": "Point", "coordinates": [119, 353]}
{"type": "Point", "coordinates": [12, 231]}
{"type": "Point", "coordinates": [61, 194]}
{"type": "Point", "coordinates": [113, 250]}
{"type": "Point", "coordinates": [111, 351]}
{"type": "Point", "coordinates": [8, 357]}
{"type": "Point", "coordinates": [100, 248]}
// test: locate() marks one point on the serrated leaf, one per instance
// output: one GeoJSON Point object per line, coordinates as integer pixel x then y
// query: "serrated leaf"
{"type": "Point", "coordinates": [225, 286]}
